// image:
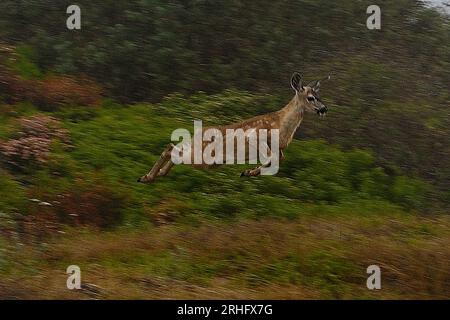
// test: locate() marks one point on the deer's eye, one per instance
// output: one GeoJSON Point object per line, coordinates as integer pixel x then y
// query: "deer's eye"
{"type": "Point", "coordinates": [310, 98]}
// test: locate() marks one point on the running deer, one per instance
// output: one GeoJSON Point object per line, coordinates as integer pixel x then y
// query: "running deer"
{"type": "Point", "coordinates": [286, 120]}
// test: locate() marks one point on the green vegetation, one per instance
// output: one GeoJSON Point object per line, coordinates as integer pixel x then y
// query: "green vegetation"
{"type": "Point", "coordinates": [388, 93]}
{"type": "Point", "coordinates": [89, 183]}
{"type": "Point", "coordinates": [12, 194]}
{"type": "Point", "coordinates": [84, 114]}
{"type": "Point", "coordinates": [115, 144]}
{"type": "Point", "coordinates": [23, 64]}
{"type": "Point", "coordinates": [308, 257]}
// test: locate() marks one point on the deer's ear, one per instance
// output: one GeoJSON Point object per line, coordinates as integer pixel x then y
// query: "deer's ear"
{"type": "Point", "coordinates": [296, 82]}
{"type": "Point", "coordinates": [315, 85]}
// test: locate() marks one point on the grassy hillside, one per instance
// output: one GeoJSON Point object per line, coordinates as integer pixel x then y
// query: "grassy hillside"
{"type": "Point", "coordinates": [84, 113]}
{"type": "Point", "coordinates": [309, 232]}
{"type": "Point", "coordinates": [316, 256]}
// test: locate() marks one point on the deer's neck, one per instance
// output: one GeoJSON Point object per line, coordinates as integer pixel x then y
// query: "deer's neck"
{"type": "Point", "coordinates": [291, 118]}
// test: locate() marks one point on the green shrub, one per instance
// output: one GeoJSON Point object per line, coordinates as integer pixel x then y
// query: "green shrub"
{"type": "Point", "coordinates": [120, 143]}
{"type": "Point", "coordinates": [410, 193]}
{"type": "Point", "coordinates": [12, 194]}
{"type": "Point", "coordinates": [22, 62]}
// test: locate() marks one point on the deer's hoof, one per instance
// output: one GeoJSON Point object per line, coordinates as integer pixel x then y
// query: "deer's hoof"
{"type": "Point", "coordinates": [245, 173]}
{"type": "Point", "coordinates": [146, 179]}
{"type": "Point", "coordinates": [143, 180]}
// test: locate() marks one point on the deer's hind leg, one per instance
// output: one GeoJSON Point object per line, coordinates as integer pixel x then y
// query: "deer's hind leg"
{"type": "Point", "coordinates": [163, 165]}
{"type": "Point", "coordinates": [166, 168]}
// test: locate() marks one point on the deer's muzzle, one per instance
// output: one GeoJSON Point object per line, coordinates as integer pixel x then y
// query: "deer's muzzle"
{"type": "Point", "coordinates": [322, 110]}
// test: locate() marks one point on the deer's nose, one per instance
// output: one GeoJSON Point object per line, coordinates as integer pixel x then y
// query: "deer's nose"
{"type": "Point", "coordinates": [322, 110]}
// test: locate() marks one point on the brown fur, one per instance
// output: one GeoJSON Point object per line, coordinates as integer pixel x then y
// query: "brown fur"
{"type": "Point", "coordinates": [286, 120]}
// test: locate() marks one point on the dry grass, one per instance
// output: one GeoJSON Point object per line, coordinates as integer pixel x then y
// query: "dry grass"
{"type": "Point", "coordinates": [311, 257]}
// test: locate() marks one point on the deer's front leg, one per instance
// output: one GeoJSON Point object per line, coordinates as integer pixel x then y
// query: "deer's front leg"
{"type": "Point", "coordinates": [257, 171]}
{"type": "Point", "coordinates": [252, 172]}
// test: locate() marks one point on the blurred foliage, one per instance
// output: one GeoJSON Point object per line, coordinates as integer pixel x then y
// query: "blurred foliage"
{"type": "Point", "coordinates": [94, 181]}
{"type": "Point", "coordinates": [12, 194]}
{"type": "Point", "coordinates": [21, 80]}
{"type": "Point", "coordinates": [147, 49]}
{"type": "Point", "coordinates": [33, 142]}
{"type": "Point", "coordinates": [22, 62]}
{"type": "Point", "coordinates": [346, 194]}
{"type": "Point", "coordinates": [388, 93]}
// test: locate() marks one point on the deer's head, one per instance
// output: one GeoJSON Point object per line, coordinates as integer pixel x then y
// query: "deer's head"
{"type": "Point", "coordinates": [309, 95]}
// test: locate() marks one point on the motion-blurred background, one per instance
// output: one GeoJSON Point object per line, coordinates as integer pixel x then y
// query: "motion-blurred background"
{"type": "Point", "coordinates": [84, 113]}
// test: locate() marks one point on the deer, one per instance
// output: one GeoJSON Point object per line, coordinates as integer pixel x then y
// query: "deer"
{"type": "Point", "coordinates": [287, 120]}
